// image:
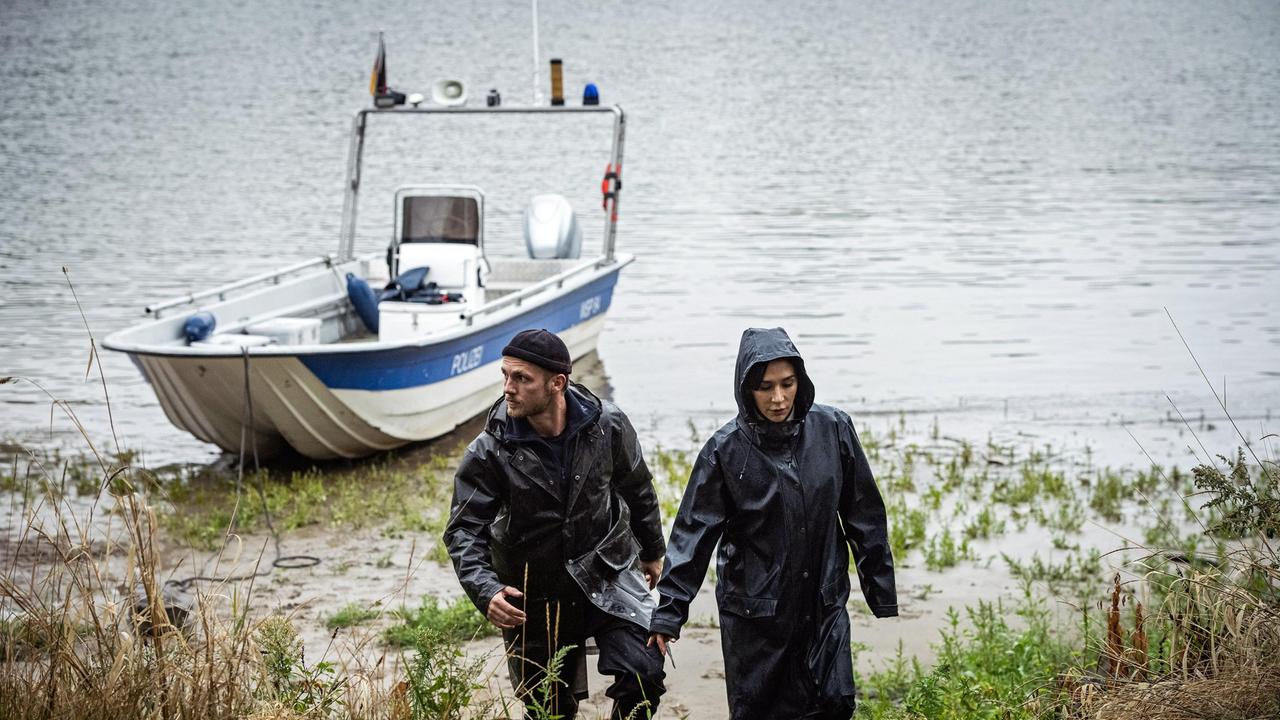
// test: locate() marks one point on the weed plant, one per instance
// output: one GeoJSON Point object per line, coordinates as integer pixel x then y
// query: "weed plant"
{"type": "Point", "coordinates": [942, 551]}
{"type": "Point", "coordinates": [91, 629]}
{"type": "Point", "coordinates": [671, 469]}
{"type": "Point", "coordinates": [1207, 642]}
{"type": "Point", "coordinates": [985, 668]}
{"type": "Point", "coordinates": [458, 621]}
{"type": "Point", "coordinates": [1109, 492]}
{"type": "Point", "coordinates": [400, 499]}
{"type": "Point", "coordinates": [1075, 568]}
{"type": "Point", "coordinates": [441, 683]}
{"type": "Point", "coordinates": [349, 616]}
{"type": "Point", "coordinates": [292, 685]}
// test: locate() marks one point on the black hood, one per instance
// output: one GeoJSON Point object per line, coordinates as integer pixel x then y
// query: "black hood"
{"type": "Point", "coordinates": [761, 345]}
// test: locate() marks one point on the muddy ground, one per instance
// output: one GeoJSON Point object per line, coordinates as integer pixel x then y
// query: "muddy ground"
{"type": "Point", "coordinates": [355, 569]}
{"type": "Point", "coordinates": [386, 571]}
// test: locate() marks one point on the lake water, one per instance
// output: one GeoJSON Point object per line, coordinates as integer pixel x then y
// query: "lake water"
{"type": "Point", "coordinates": [979, 212]}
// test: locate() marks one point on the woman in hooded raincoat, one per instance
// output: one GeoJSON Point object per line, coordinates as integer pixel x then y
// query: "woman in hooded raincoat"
{"type": "Point", "coordinates": [786, 490]}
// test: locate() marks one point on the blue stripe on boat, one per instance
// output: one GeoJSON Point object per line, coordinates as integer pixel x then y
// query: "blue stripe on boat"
{"type": "Point", "coordinates": [407, 367]}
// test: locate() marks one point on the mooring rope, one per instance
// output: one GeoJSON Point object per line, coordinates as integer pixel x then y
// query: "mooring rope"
{"type": "Point", "coordinates": [284, 562]}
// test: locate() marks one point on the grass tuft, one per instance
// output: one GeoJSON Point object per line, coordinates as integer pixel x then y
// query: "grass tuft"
{"type": "Point", "coordinates": [350, 616]}
{"type": "Point", "coordinates": [458, 621]}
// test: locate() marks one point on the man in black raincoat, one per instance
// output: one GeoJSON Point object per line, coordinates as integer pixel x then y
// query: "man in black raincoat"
{"type": "Point", "coordinates": [786, 490]}
{"type": "Point", "coordinates": [555, 533]}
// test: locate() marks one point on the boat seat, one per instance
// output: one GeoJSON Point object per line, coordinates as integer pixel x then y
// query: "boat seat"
{"type": "Point", "coordinates": [453, 267]}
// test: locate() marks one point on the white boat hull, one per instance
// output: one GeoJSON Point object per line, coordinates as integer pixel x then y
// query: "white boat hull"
{"type": "Point", "coordinates": [347, 400]}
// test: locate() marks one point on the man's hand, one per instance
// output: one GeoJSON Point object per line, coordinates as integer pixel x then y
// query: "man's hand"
{"type": "Point", "coordinates": [652, 570]}
{"type": "Point", "coordinates": [502, 613]}
{"type": "Point", "coordinates": [661, 640]}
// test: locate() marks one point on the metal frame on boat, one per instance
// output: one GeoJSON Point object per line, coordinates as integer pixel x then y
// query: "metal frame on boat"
{"type": "Point", "coordinates": [291, 362]}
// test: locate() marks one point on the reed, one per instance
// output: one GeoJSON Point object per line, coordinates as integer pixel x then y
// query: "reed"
{"type": "Point", "coordinates": [111, 640]}
{"type": "Point", "coordinates": [89, 627]}
{"type": "Point", "coordinates": [1209, 646]}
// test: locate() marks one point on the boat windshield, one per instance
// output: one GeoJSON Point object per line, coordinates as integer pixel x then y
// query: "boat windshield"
{"type": "Point", "coordinates": [440, 219]}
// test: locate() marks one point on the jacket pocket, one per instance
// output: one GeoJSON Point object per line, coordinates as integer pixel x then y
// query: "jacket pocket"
{"type": "Point", "coordinates": [619, 549]}
{"type": "Point", "coordinates": [748, 607]}
{"type": "Point", "coordinates": [833, 591]}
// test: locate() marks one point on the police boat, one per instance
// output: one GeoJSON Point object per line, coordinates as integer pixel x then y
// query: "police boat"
{"type": "Point", "coordinates": [345, 355]}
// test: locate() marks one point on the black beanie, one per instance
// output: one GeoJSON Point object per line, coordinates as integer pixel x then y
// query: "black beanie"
{"type": "Point", "coordinates": [542, 348]}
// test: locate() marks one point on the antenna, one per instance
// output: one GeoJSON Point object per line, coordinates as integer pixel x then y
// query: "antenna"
{"type": "Point", "coordinates": [537, 89]}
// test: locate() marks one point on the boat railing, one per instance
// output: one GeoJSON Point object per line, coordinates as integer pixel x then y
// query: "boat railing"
{"type": "Point", "coordinates": [312, 307]}
{"type": "Point", "coordinates": [355, 159]}
{"type": "Point", "coordinates": [517, 298]}
{"type": "Point", "coordinates": [273, 277]}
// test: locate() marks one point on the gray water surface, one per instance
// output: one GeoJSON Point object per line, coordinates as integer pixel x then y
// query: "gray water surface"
{"type": "Point", "coordinates": [979, 211]}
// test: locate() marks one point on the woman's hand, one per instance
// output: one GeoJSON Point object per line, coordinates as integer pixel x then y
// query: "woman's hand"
{"type": "Point", "coordinates": [661, 640]}
{"type": "Point", "coordinates": [502, 613]}
{"type": "Point", "coordinates": [652, 570]}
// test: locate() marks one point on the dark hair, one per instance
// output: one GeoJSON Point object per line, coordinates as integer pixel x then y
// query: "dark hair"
{"type": "Point", "coordinates": [755, 376]}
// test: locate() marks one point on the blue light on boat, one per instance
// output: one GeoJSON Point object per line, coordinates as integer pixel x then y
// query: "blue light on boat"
{"type": "Point", "coordinates": [590, 95]}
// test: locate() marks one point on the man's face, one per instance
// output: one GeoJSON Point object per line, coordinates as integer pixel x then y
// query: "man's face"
{"type": "Point", "coordinates": [777, 392]}
{"type": "Point", "coordinates": [529, 389]}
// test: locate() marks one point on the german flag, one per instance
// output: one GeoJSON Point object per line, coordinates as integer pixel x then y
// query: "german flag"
{"type": "Point", "coordinates": [378, 81]}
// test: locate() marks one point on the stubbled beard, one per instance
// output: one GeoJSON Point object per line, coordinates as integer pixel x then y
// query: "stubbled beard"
{"type": "Point", "coordinates": [527, 410]}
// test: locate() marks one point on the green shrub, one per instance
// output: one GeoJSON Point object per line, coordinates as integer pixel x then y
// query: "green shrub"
{"type": "Point", "coordinates": [989, 670]}
{"type": "Point", "coordinates": [441, 682]}
{"type": "Point", "coordinates": [458, 621]}
{"type": "Point", "coordinates": [350, 616]}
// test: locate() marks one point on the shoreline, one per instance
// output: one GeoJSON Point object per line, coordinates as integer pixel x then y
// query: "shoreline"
{"type": "Point", "coordinates": [383, 567]}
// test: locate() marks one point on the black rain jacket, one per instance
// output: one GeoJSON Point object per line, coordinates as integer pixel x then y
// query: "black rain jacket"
{"type": "Point", "coordinates": [511, 522]}
{"type": "Point", "coordinates": [786, 502]}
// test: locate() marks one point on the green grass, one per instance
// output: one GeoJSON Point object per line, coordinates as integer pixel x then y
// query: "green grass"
{"type": "Point", "coordinates": [984, 525]}
{"type": "Point", "coordinates": [1033, 482]}
{"type": "Point", "coordinates": [942, 551]}
{"type": "Point", "coordinates": [349, 616]}
{"type": "Point", "coordinates": [987, 669]}
{"type": "Point", "coordinates": [993, 660]}
{"type": "Point", "coordinates": [671, 469]}
{"type": "Point", "coordinates": [51, 473]}
{"type": "Point", "coordinates": [458, 621]}
{"type": "Point", "coordinates": [906, 526]}
{"type": "Point", "coordinates": [1109, 492]}
{"type": "Point", "coordinates": [1064, 517]}
{"type": "Point", "coordinates": [400, 498]}
{"type": "Point", "coordinates": [1076, 569]}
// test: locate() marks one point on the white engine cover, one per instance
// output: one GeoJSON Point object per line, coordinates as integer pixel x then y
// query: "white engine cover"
{"type": "Point", "coordinates": [551, 228]}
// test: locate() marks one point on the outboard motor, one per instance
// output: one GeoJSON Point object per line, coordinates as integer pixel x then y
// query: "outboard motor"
{"type": "Point", "coordinates": [551, 229]}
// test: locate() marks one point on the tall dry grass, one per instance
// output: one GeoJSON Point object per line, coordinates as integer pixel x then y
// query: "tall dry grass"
{"type": "Point", "coordinates": [92, 629]}
{"type": "Point", "coordinates": [1209, 646]}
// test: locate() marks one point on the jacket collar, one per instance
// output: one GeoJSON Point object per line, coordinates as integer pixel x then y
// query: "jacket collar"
{"type": "Point", "coordinates": [584, 412]}
{"type": "Point", "coordinates": [584, 409]}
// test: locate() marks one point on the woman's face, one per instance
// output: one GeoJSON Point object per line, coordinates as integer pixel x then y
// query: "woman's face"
{"type": "Point", "coordinates": [777, 391]}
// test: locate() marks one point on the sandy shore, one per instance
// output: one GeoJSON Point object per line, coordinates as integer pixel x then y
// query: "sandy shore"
{"type": "Point", "coordinates": [387, 570]}
{"type": "Point", "coordinates": [370, 569]}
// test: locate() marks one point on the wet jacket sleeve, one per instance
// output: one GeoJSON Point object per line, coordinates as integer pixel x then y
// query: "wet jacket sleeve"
{"type": "Point", "coordinates": [634, 483]}
{"type": "Point", "coordinates": [476, 502]}
{"type": "Point", "coordinates": [866, 527]}
{"type": "Point", "coordinates": [697, 528]}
